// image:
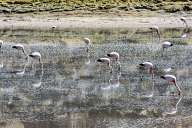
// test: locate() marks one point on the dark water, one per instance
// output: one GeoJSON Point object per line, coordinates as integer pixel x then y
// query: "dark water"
{"type": "Point", "coordinates": [68, 92]}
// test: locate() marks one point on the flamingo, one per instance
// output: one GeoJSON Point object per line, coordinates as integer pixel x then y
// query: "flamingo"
{"type": "Point", "coordinates": [186, 30]}
{"type": "Point", "coordinates": [150, 67]}
{"type": "Point", "coordinates": [87, 41]}
{"type": "Point", "coordinates": [183, 19]}
{"type": "Point", "coordinates": [165, 44]}
{"type": "Point", "coordinates": [36, 55]}
{"type": "Point", "coordinates": [147, 65]}
{"type": "Point", "coordinates": [172, 79]}
{"type": "Point", "coordinates": [20, 47]}
{"type": "Point", "coordinates": [106, 61]}
{"type": "Point", "coordinates": [115, 56]}
{"type": "Point", "coordinates": [156, 29]}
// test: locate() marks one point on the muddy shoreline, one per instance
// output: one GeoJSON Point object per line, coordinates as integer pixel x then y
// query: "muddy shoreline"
{"type": "Point", "coordinates": [46, 22]}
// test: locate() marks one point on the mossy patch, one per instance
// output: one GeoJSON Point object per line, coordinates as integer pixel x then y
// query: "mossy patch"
{"type": "Point", "coordinates": [17, 1]}
{"type": "Point", "coordinates": [96, 5]}
{"type": "Point", "coordinates": [173, 8]}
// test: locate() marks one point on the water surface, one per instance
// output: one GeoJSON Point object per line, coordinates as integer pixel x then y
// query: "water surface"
{"type": "Point", "coordinates": [67, 91]}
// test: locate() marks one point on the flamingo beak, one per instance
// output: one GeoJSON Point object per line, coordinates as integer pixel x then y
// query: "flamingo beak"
{"type": "Point", "coordinates": [109, 55]}
{"type": "Point", "coordinates": [13, 46]}
{"type": "Point", "coordinates": [99, 60]}
{"type": "Point", "coordinates": [162, 77]}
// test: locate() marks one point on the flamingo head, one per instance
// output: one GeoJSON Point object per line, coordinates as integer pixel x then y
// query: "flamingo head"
{"type": "Point", "coordinates": [156, 28]}
{"type": "Point", "coordinates": [141, 64]}
{"type": "Point", "coordinates": [163, 77]}
{"type": "Point", "coordinates": [108, 54]}
{"type": "Point", "coordinates": [113, 55]}
{"type": "Point", "coordinates": [183, 19]}
{"type": "Point", "coordinates": [30, 55]}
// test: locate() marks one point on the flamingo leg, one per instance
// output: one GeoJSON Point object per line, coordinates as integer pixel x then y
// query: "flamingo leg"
{"type": "Point", "coordinates": [111, 69]}
{"type": "Point", "coordinates": [119, 66]}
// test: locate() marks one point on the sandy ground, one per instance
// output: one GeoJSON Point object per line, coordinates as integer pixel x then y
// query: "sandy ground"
{"type": "Point", "coordinates": [60, 22]}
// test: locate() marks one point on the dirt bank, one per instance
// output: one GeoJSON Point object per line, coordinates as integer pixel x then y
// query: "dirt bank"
{"type": "Point", "coordinates": [59, 22]}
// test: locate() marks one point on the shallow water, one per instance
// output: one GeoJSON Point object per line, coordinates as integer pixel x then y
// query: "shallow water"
{"type": "Point", "coordinates": [67, 91]}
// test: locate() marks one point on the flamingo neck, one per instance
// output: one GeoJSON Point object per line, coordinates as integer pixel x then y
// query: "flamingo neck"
{"type": "Point", "coordinates": [117, 59]}
{"type": "Point", "coordinates": [40, 61]}
{"type": "Point", "coordinates": [151, 72]}
{"type": "Point", "coordinates": [186, 25]}
{"type": "Point", "coordinates": [178, 88]}
{"type": "Point", "coordinates": [24, 52]}
{"type": "Point", "coordinates": [87, 48]}
{"type": "Point", "coordinates": [119, 64]}
{"type": "Point", "coordinates": [159, 36]}
{"type": "Point", "coordinates": [111, 69]}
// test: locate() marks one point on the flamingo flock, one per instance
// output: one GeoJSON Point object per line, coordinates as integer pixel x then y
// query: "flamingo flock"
{"type": "Point", "coordinates": [33, 55]}
{"type": "Point", "coordinates": [113, 58]}
{"type": "Point", "coordinates": [149, 66]}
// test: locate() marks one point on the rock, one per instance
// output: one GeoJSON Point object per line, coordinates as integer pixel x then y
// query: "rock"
{"type": "Point", "coordinates": [143, 113]}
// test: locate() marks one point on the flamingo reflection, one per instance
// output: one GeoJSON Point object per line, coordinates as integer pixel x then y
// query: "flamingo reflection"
{"type": "Point", "coordinates": [21, 72]}
{"type": "Point", "coordinates": [113, 82]}
{"type": "Point", "coordinates": [39, 82]}
{"type": "Point", "coordinates": [109, 91]}
{"type": "Point", "coordinates": [174, 108]}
